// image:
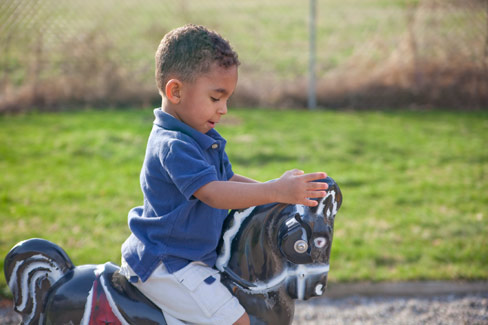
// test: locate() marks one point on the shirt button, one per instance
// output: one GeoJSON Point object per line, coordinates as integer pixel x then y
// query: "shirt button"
{"type": "Point", "coordinates": [215, 146]}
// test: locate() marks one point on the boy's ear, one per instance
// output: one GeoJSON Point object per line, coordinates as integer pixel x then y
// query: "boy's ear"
{"type": "Point", "coordinates": [173, 90]}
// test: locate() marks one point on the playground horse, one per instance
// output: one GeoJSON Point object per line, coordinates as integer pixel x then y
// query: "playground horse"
{"type": "Point", "coordinates": [269, 256]}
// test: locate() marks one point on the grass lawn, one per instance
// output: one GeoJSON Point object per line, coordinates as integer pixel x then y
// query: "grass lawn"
{"type": "Point", "coordinates": [415, 184]}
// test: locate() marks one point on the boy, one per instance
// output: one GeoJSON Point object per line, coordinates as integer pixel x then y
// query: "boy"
{"type": "Point", "coordinates": [188, 184]}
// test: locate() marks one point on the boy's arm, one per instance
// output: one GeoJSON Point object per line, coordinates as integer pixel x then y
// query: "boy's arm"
{"type": "Point", "coordinates": [293, 187]}
{"type": "Point", "coordinates": [242, 179]}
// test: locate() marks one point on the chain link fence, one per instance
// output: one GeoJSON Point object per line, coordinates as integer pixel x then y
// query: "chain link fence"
{"type": "Point", "coordinates": [56, 54]}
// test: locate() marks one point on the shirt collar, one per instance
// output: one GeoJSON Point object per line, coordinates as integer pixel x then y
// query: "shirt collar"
{"type": "Point", "coordinates": [169, 122]}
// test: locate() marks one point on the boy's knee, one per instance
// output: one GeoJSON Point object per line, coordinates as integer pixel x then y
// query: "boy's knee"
{"type": "Point", "coordinates": [243, 320]}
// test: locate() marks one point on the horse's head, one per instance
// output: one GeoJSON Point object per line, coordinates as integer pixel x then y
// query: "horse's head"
{"type": "Point", "coordinates": [267, 246]}
{"type": "Point", "coordinates": [272, 254]}
{"type": "Point", "coordinates": [306, 236]}
{"type": "Point", "coordinates": [305, 240]}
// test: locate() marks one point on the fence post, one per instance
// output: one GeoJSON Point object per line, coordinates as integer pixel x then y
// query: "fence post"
{"type": "Point", "coordinates": [312, 98]}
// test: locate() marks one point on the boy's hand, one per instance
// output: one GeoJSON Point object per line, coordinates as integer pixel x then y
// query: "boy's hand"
{"type": "Point", "coordinates": [296, 187]}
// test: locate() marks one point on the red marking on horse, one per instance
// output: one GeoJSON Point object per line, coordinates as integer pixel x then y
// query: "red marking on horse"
{"type": "Point", "coordinates": [101, 311]}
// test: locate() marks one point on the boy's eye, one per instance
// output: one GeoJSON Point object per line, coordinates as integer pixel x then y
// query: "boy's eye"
{"type": "Point", "coordinates": [213, 99]}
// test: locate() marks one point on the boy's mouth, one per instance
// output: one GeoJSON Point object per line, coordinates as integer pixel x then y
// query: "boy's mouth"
{"type": "Point", "coordinates": [212, 124]}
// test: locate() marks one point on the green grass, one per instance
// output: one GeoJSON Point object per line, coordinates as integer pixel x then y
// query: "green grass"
{"type": "Point", "coordinates": [415, 184]}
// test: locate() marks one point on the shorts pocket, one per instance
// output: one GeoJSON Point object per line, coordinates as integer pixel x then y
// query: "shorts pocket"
{"type": "Point", "coordinates": [203, 284]}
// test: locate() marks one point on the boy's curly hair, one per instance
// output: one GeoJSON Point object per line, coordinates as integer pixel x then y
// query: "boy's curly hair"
{"type": "Point", "coordinates": [189, 51]}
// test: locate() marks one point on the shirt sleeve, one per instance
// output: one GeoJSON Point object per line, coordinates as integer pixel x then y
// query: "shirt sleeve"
{"type": "Point", "coordinates": [187, 167]}
{"type": "Point", "coordinates": [228, 167]}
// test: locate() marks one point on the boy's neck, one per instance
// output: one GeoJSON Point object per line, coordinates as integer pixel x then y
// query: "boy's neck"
{"type": "Point", "coordinates": [167, 107]}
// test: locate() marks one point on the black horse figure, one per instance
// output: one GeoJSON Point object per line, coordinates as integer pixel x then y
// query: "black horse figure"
{"type": "Point", "coordinates": [270, 255]}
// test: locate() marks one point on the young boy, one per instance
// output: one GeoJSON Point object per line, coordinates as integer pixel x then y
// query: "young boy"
{"type": "Point", "coordinates": [188, 184]}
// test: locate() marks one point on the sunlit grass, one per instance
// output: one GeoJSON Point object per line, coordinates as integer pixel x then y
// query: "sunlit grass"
{"type": "Point", "coordinates": [414, 183]}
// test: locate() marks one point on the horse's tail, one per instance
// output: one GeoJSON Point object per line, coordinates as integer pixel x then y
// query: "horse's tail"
{"type": "Point", "coordinates": [31, 268]}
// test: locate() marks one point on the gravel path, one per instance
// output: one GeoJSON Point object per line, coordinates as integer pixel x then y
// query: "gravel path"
{"type": "Point", "coordinates": [445, 309]}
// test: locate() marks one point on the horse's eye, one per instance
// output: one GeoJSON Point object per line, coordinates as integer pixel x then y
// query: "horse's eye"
{"type": "Point", "coordinates": [320, 242]}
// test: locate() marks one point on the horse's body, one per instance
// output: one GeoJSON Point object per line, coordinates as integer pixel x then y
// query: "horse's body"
{"type": "Point", "coordinates": [269, 256]}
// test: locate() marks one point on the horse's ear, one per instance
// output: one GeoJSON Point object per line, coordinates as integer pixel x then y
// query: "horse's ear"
{"type": "Point", "coordinates": [335, 187]}
{"type": "Point", "coordinates": [333, 197]}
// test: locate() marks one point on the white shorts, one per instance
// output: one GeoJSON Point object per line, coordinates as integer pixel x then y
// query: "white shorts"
{"type": "Point", "coordinates": [192, 295]}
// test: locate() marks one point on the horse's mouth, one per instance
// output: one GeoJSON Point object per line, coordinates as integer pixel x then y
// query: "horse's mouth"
{"type": "Point", "coordinates": [308, 281]}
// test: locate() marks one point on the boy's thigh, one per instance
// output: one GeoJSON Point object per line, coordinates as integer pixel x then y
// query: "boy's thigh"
{"type": "Point", "coordinates": [193, 294]}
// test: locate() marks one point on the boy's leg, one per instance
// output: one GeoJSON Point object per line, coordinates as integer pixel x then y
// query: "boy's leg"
{"type": "Point", "coordinates": [193, 294]}
{"type": "Point", "coordinates": [243, 320]}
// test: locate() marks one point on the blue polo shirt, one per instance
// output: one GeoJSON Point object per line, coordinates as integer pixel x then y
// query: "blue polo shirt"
{"type": "Point", "coordinates": [173, 226]}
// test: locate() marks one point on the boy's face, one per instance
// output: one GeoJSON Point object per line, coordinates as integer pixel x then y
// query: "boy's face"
{"type": "Point", "coordinates": [204, 101]}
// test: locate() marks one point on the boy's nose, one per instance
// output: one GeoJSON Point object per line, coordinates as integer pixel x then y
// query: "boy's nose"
{"type": "Point", "coordinates": [223, 109]}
